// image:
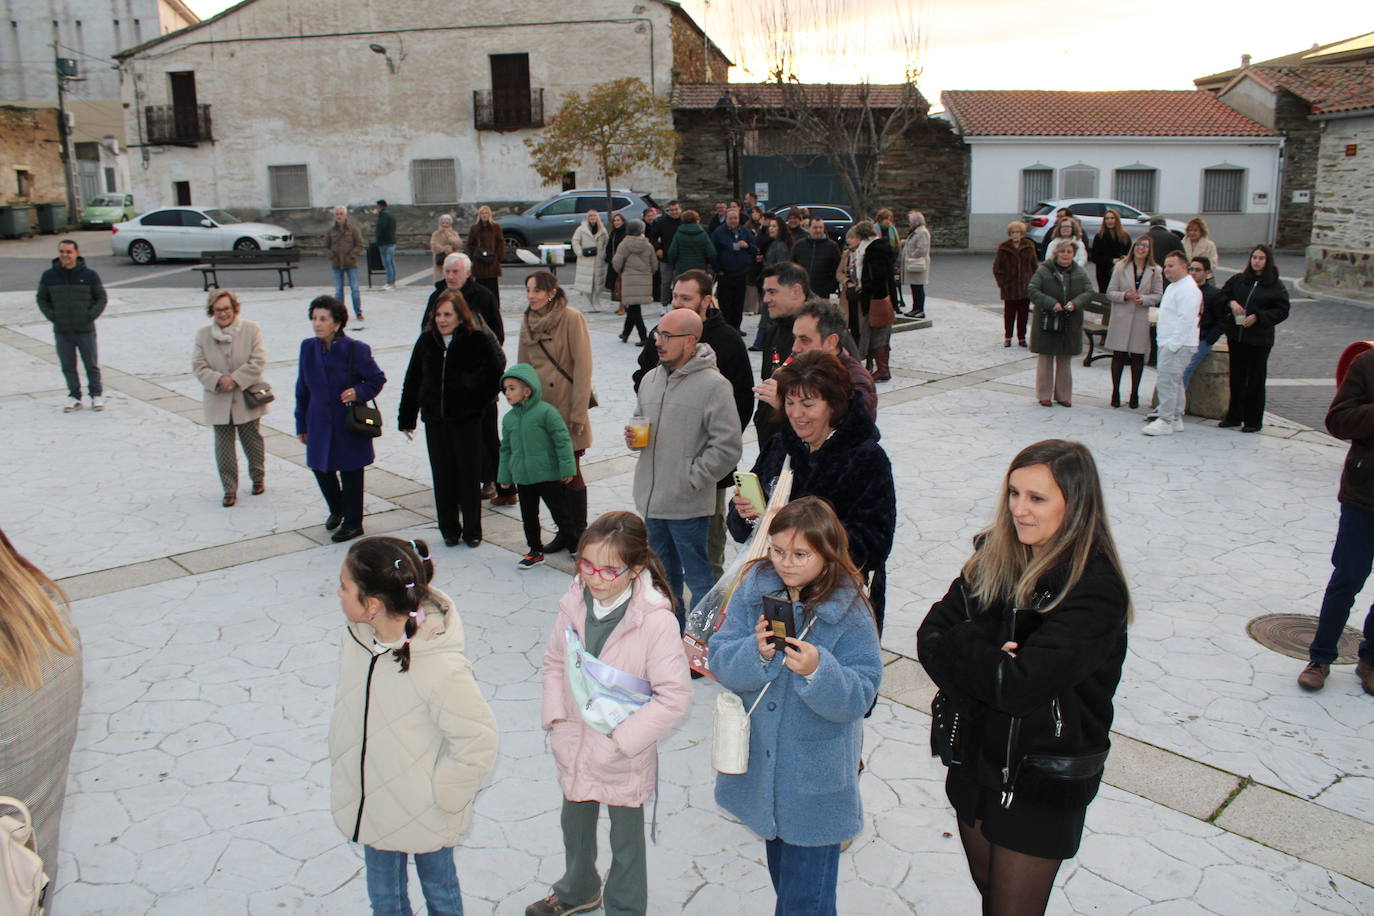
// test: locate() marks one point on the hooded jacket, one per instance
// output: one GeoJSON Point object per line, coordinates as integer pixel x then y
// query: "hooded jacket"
{"type": "Point", "coordinates": [535, 445]}
{"type": "Point", "coordinates": [452, 384]}
{"type": "Point", "coordinates": [1351, 417]}
{"type": "Point", "coordinates": [695, 438]}
{"type": "Point", "coordinates": [691, 249]}
{"type": "Point", "coordinates": [620, 768]}
{"type": "Point", "coordinates": [408, 750]}
{"type": "Point", "coordinates": [71, 299]}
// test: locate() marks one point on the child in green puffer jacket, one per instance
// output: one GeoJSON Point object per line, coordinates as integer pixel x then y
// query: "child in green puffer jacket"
{"type": "Point", "coordinates": [537, 456]}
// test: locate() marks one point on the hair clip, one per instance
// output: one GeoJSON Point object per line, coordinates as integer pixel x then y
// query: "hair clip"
{"type": "Point", "coordinates": [424, 558]}
{"type": "Point", "coordinates": [409, 586]}
{"type": "Point", "coordinates": [396, 563]}
{"type": "Point", "coordinates": [419, 616]}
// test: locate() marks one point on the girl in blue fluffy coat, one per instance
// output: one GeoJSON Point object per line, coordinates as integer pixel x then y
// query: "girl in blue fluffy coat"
{"type": "Point", "coordinates": [801, 791]}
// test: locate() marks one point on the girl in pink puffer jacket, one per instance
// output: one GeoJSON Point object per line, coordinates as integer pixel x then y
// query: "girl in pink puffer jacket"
{"type": "Point", "coordinates": [615, 681]}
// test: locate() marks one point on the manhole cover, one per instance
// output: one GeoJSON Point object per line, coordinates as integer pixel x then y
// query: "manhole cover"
{"type": "Point", "coordinates": [1291, 634]}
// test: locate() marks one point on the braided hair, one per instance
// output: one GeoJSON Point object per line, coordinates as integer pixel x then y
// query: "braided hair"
{"type": "Point", "coordinates": [397, 573]}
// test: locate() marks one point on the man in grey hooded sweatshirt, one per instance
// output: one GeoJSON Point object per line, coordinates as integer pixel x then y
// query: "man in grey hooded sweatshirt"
{"type": "Point", "coordinates": [694, 441]}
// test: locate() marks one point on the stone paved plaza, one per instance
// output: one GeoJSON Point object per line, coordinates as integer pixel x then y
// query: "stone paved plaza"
{"type": "Point", "coordinates": [199, 783]}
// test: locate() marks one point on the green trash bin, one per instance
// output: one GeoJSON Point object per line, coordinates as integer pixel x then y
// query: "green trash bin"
{"type": "Point", "coordinates": [14, 222]}
{"type": "Point", "coordinates": [52, 218]}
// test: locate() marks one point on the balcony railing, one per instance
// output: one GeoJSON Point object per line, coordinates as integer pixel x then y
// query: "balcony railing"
{"type": "Point", "coordinates": [508, 109]}
{"type": "Point", "coordinates": [177, 124]}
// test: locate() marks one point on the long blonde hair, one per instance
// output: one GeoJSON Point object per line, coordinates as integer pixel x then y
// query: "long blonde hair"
{"type": "Point", "coordinates": [32, 625]}
{"type": "Point", "coordinates": [1002, 568]}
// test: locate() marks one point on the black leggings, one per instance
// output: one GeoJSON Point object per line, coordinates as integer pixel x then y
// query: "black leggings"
{"type": "Point", "coordinates": [634, 318]}
{"type": "Point", "coordinates": [343, 493]}
{"type": "Point", "coordinates": [1119, 360]}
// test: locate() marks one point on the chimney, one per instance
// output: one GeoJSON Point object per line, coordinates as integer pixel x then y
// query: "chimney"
{"type": "Point", "coordinates": [1245, 60]}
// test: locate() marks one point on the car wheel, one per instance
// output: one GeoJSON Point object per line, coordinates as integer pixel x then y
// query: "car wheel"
{"type": "Point", "coordinates": [513, 242]}
{"type": "Point", "coordinates": [141, 252]}
{"type": "Point", "coordinates": [245, 245]}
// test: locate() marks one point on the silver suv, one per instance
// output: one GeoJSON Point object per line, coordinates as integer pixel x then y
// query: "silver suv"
{"type": "Point", "coordinates": [1089, 212]}
{"type": "Point", "coordinates": [554, 221]}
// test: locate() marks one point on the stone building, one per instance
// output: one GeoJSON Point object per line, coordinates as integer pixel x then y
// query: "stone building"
{"type": "Point", "coordinates": [732, 144]}
{"type": "Point", "coordinates": [88, 32]}
{"type": "Point", "coordinates": [1165, 153]}
{"type": "Point", "coordinates": [1287, 94]}
{"type": "Point", "coordinates": [30, 161]}
{"type": "Point", "coordinates": [1341, 255]}
{"type": "Point", "coordinates": [280, 109]}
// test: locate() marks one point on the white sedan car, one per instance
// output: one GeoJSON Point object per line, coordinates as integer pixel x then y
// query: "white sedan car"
{"type": "Point", "coordinates": [184, 232]}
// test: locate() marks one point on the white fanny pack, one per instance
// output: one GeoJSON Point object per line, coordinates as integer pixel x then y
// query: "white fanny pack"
{"type": "Point", "coordinates": [605, 695]}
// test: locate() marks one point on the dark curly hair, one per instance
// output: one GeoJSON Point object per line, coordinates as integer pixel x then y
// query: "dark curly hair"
{"type": "Point", "coordinates": [333, 306]}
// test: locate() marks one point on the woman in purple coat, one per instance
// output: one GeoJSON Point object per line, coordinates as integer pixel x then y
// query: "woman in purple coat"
{"type": "Point", "coordinates": [334, 371]}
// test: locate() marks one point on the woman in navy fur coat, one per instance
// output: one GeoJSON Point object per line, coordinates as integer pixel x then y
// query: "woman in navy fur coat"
{"type": "Point", "coordinates": [835, 454]}
{"type": "Point", "coordinates": [334, 371]}
{"type": "Point", "coordinates": [801, 789]}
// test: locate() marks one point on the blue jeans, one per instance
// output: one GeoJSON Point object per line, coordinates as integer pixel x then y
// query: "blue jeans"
{"type": "Point", "coordinates": [1203, 348]}
{"type": "Point", "coordinates": [386, 882]}
{"type": "Point", "coordinates": [804, 878]}
{"type": "Point", "coordinates": [682, 545]}
{"type": "Point", "coordinates": [1352, 558]}
{"type": "Point", "coordinates": [68, 345]}
{"type": "Point", "coordinates": [352, 274]}
{"type": "Point", "coordinates": [388, 253]}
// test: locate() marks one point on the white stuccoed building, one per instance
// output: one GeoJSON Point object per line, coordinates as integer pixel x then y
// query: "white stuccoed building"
{"type": "Point", "coordinates": [285, 107]}
{"type": "Point", "coordinates": [1168, 153]}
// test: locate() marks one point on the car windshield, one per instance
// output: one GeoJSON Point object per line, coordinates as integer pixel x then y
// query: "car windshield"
{"type": "Point", "coordinates": [222, 217]}
{"type": "Point", "coordinates": [1042, 209]}
{"type": "Point", "coordinates": [106, 202]}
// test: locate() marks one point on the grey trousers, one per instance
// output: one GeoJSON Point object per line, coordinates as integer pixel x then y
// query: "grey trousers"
{"type": "Point", "coordinates": [1173, 397]}
{"type": "Point", "coordinates": [226, 457]}
{"type": "Point", "coordinates": [68, 346]}
{"type": "Point", "coordinates": [627, 883]}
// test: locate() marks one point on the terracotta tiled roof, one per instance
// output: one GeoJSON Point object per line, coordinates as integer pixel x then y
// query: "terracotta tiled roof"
{"type": "Point", "coordinates": [1132, 113]}
{"type": "Point", "coordinates": [770, 95]}
{"type": "Point", "coordinates": [1329, 88]}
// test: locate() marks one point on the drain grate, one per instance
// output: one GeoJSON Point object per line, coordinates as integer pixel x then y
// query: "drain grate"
{"type": "Point", "coordinates": [1291, 634]}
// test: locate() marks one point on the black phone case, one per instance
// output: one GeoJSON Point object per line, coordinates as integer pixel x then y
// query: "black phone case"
{"type": "Point", "coordinates": [778, 613]}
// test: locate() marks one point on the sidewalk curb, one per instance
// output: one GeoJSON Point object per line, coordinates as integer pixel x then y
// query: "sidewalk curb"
{"type": "Point", "coordinates": [1322, 295]}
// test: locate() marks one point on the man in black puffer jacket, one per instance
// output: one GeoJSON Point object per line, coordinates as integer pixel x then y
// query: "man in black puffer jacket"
{"type": "Point", "coordinates": [1351, 417]}
{"type": "Point", "coordinates": [819, 254]}
{"type": "Point", "coordinates": [71, 296]}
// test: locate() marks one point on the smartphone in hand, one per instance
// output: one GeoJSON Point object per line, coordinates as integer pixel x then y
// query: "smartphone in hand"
{"type": "Point", "coordinates": [752, 490]}
{"type": "Point", "coordinates": [777, 612]}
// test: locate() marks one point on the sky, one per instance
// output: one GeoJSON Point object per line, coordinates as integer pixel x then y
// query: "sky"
{"type": "Point", "coordinates": [1015, 44]}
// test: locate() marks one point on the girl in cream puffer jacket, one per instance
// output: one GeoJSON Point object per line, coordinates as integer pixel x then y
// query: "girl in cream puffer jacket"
{"type": "Point", "coordinates": [411, 737]}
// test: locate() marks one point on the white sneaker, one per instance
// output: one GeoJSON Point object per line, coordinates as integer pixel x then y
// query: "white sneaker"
{"type": "Point", "coordinates": [97, 403]}
{"type": "Point", "coordinates": [1160, 427]}
{"type": "Point", "coordinates": [389, 288]}
{"type": "Point", "coordinates": [1178, 425]}
{"type": "Point", "coordinates": [72, 406]}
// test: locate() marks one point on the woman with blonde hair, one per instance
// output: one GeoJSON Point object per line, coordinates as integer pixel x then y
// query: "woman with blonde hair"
{"type": "Point", "coordinates": [1068, 231]}
{"type": "Point", "coordinates": [443, 242]}
{"type": "Point", "coordinates": [1197, 242]}
{"type": "Point", "coordinates": [228, 359]}
{"type": "Point", "coordinates": [1027, 648]}
{"type": "Point", "coordinates": [1136, 286]}
{"type": "Point", "coordinates": [40, 695]}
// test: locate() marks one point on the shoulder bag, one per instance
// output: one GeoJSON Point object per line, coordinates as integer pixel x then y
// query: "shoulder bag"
{"type": "Point", "coordinates": [258, 394]}
{"type": "Point", "coordinates": [591, 400]}
{"type": "Point", "coordinates": [881, 313]}
{"type": "Point", "coordinates": [606, 696]}
{"type": "Point", "coordinates": [589, 251]}
{"type": "Point", "coordinates": [360, 419]}
{"type": "Point", "coordinates": [917, 264]}
{"type": "Point", "coordinates": [730, 729]}
{"type": "Point", "coordinates": [484, 256]}
{"type": "Point", "coordinates": [23, 883]}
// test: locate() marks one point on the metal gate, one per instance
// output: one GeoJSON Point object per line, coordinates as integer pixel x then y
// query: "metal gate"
{"type": "Point", "coordinates": [793, 179]}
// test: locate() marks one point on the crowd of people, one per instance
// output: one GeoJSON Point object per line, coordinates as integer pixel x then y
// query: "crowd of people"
{"type": "Point", "coordinates": [1026, 647]}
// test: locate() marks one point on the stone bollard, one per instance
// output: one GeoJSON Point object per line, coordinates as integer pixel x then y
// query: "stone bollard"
{"type": "Point", "coordinates": [1209, 392]}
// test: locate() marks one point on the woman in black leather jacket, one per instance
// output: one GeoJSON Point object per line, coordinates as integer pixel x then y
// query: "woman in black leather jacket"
{"type": "Point", "coordinates": [1027, 649]}
{"type": "Point", "coordinates": [1258, 301]}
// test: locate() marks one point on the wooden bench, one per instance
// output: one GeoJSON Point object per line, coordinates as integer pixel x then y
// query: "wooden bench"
{"type": "Point", "coordinates": [282, 260]}
{"type": "Point", "coordinates": [1095, 328]}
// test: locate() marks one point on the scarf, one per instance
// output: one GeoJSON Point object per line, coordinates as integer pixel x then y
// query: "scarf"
{"type": "Point", "coordinates": [859, 261]}
{"type": "Point", "coordinates": [542, 323]}
{"type": "Point", "coordinates": [226, 335]}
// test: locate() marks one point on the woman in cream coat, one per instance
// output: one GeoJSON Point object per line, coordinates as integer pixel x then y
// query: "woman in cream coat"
{"type": "Point", "coordinates": [229, 357]}
{"type": "Point", "coordinates": [916, 250]}
{"type": "Point", "coordinates": [591, 268]}
{"type": "Point", "coordinates": [1137, 285]}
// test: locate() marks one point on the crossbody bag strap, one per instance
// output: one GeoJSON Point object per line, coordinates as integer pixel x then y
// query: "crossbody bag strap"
{"type": "Point", "coordinates": [561, 371]}
{"type": "Point", "coordinates": [354, 375]}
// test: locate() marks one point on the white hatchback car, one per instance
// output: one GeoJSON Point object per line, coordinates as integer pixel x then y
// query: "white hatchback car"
{"type": "Point", "coordinates": [184, 232]}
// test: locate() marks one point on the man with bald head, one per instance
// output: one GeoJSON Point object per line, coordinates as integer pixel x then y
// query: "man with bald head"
{"type": "Point", "coordinates": [694, 440]}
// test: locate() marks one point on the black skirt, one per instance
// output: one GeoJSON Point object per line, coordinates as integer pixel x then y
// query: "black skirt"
{"type": "Point", "coordinates": [1025, 827]}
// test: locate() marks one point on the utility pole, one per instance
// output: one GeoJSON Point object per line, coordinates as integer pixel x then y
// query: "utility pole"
{"type": "Point", "coordinates": [64, 135]}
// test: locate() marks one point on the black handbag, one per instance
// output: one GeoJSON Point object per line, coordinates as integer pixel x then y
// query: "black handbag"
{"type": "Point", "coordinates": [258, 395]}
{"type": "Point", "coordinates": [363, 420]}
{"type": "Point", "coordinates": [589, 251]}
{"type": "Point", "coordinates": [439, 258]}
{"type": "Point", "coordinates": [1052, 322]}
{"type": "Point", "coordinates": [484, 256]}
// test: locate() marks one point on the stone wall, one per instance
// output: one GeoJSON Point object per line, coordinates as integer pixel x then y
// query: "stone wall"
{"type": "Point", "coordinates": [29, 141]}
{"type": "Point", "coordinates": [929, 172]}
{"type": "Point", "coordinates": [1292, 117]}
{"type": "Point", "coordinates": [1341, 255]}
{"type": "Point", "coordinates": [693, 61]}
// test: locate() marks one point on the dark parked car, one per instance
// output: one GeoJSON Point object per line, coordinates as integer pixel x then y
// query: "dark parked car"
{"type": "Point", "coordinates": [554, 220]}
{"type": "Point", "coordinates": [837, 218]}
